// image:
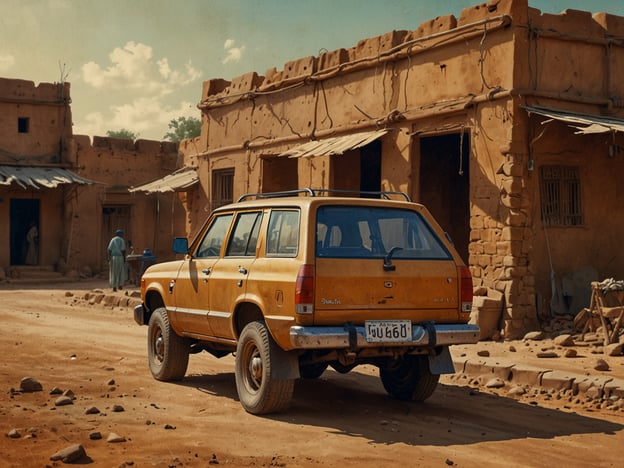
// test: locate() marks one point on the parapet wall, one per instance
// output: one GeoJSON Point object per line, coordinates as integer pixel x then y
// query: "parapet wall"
{"type": "Point", "coordinates": [372, 51]}
{"type": "Point", "coordinates": [150, 147]}
{"type": "Point", "coordinates": [368, 52]}
{"type": "Point", "coordinates": [14, 90]}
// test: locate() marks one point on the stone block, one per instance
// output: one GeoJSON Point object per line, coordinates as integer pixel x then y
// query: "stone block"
{"type": "Point", "coordinates": [476, 222]}
{"type": "Point", "coordinates": [486, 313]}
{"type": "Point", "coordinates": [489, 248]}
{"type": "Point", "coordinates": [525, 376]}
{"type": "Point", "coordinates": [516, 218]}
{"type": "Point", "coordinates": [513, 234]}
{"type": "Point", "coordinates": [556, 380]}
{"type": "Point", "coordinates": [512, 184]}
{"type": "Point", "coordinates": [510, 168]}
{"type": "Point", "coordinates": [614, 388]}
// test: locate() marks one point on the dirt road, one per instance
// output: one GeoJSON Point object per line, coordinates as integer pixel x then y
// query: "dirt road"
{"type": "Point", "coordinates": [99, 353]}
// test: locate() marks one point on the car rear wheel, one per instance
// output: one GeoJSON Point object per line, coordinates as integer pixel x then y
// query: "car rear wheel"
{"type": "Point", "coordinates": [167, 352]}
{"type": "Point", "coordinates": [408, 378]}
{"type": "Point", "coordinates": [258, 391]}
{"type": "Point", "coordinates": [313, 371]}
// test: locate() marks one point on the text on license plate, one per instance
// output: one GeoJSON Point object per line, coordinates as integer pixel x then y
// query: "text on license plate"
{"type": "Point", "coordinates": [388, 330]}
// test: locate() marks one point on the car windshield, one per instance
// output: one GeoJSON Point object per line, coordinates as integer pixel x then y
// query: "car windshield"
{"type": "Point", "coordinates": [370, 232]}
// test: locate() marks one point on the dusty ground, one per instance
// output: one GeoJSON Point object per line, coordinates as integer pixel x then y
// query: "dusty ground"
{"type": "Point", "coordinates": [99, 353]}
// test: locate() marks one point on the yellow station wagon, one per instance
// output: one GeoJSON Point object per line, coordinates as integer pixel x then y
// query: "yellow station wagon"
{"type": "Point", "coordinates": [294, 282]}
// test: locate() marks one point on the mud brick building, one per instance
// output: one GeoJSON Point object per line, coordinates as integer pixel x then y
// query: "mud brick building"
{"type": "Point", "coordinates": [506, 122]}
{"type": "Point", "coordinates": [76, 193]}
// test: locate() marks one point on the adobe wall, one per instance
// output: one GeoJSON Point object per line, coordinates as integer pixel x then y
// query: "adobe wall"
{"type": "Point", "coordinates": [117, 165]}
{"type": "Point", "coordinates": [576, 63]}
{"type": "Point", "coordinates": [194, 201]}
{"type": "Point", "coordinates": [47, 108]}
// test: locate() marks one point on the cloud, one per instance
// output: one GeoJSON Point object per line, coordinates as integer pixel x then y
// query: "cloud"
{"type": "Point", "coordinates": [137, 92]}
{"type": "Point", "coordinates": [132, 67]}
{"type": "Point", "coordinates": [233, 54]}
{"type": "Point", "coordinates": [6, 62]}
{"type": "Point", "coordinates": [147, 117]}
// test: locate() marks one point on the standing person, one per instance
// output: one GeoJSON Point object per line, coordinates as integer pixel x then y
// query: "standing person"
{"type": "Point", "coordinates": [117, 260]}
{"type": "Point", "coordinates": [32, 245]}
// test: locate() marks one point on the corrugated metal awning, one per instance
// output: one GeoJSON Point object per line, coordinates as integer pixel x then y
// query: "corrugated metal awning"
{"type": "Point", "coordinates": [174, 182]}
{"type": "Point", "coordinates": [39, 177]}
{"type": "Point", "coordinates": [584, 123]}
{"type": "Point", "coordinates": [335, 145]}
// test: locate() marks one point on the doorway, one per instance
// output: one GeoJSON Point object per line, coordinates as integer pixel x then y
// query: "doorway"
{"type": "Point", "coordinates": [113, 218]}
{"type": "Point", "coordinates": [445, 185]}
{"type": "Point", "coordinates": [24, 245]}
{"type": "Point", "coordinates": [279, 174]}
{"type": "Point", "coordinates": [358, 170]}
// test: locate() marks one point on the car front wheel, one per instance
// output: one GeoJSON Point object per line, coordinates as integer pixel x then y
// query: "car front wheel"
{"type": "Point", "coordinates": [258, 391]}
{"type": "Point", "coordinates": [167, 352]}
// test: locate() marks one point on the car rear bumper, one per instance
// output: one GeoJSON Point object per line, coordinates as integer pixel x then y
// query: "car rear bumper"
{"type": "Point", "coordinates": [352, 336]}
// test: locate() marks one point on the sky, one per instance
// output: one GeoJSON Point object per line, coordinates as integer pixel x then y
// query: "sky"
{"type": "Point", "coordinates": [139, 64]}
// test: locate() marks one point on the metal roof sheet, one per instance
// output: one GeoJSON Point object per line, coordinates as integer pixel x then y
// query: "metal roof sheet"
{"type": "Point", "coordinates": [176, 181]}
{"type": "Point", "coordinates": [39, 177]}
{"type": "Point", "coordinates": [334, 145]}
{"type": "Point", "coordinates": [584, 123]}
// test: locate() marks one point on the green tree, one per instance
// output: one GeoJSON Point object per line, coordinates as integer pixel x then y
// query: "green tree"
{"type": "Point", "coordinates": [123, 134]}
{"type": "Point", "coordinates": [183, 128]}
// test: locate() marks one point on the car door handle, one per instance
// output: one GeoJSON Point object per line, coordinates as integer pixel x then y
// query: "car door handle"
{"type": "Point", "coordinates": [206, 271]}
{"type": "Point", "coordinates": [242, 270]}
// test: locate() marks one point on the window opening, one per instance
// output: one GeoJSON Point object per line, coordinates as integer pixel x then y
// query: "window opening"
{"type": "Point", "coordinates": [23, 124]}
{"type": "Point", "coordinates": [358, 232]}
{"type": "Point", "coordinates": [283, 233]}
{"type": "Point", "coordinates": [222, 187]}
{"type": "Point", "coordinates": [560, 190]}
{"type": "Point", "coordinates": [244, 238]}
{"type": "Point", "coordinates": [210, 245]}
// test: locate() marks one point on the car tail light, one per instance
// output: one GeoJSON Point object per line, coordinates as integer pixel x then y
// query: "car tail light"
{"type": "Point", "coordinates": [465, 288]}
{"type": "Point", "coordinates": [304, 290]}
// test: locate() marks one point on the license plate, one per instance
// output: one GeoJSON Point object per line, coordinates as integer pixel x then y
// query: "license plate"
{"type": "Point", "coordinates": [393, 331]}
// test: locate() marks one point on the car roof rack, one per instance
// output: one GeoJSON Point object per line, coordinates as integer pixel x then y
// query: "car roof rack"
{"type": "Point", "coordinates": [316, 192]}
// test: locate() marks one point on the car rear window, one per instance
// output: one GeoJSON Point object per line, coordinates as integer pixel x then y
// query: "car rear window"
{"type": "Point", "coordinates": [371, 232]}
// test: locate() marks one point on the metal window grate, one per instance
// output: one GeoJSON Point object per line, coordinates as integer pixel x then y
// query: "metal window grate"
{"type": "Point", "coordinates": [560, 190]}
{"type": "Point", "coordinates": [222, 187]}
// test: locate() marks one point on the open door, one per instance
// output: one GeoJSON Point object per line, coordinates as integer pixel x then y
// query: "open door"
{"type": "Point", "coordinates": [24, 231]}
{"type": "Point", "coordinates": [445, 185]}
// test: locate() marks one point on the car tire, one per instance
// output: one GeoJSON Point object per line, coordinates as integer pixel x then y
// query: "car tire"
{"type": "Point", "coordinates": [408, 378]}
{"type": "Point", "coordinates": [258, 391]}
{"type": "Point", "coordinates": [167, 352]}
{"type": "Point", "coordinates": [313, 371]}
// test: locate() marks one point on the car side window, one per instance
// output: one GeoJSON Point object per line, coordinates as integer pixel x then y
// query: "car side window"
{"type": "Point", "coordinates": [283, 234]}
{"type": "Point", "coordinates": [210, 245]}
{"type": "Point", "coordinates": [244, 237]}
